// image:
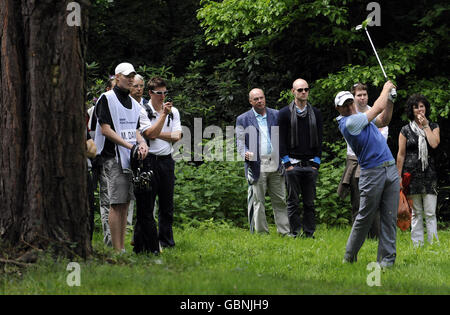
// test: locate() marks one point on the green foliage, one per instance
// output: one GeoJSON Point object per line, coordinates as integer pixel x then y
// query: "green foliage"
{"type": "Point", "coordinates": [197, 93]}
{"type": "Point", "coordinates": [330, 209]}
{"type": "Point", "coordinates": [212, 190]}
{"type": "Point", "coordinates": [95, 85]}
{"type": "Point", "coordinates": [218, 189]}
{"type": "Point", "coordinates": [227, 20]}
{"type": "Point", "coordinates": [192, 93]}
{"type": "Point", "coordinates": [254, 23]}
{"type": "Point", "coordinates": [436, 93]}
{"type": "Point", "coordinates": [148, 72]}
{"type": "Point", "coordinates": [259, 24]}
{"type": "Point", "coordinates": [399, 59]}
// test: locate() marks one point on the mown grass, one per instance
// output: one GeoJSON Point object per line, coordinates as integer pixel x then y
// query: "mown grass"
{"type": "Point", "coordinates": [217, 259]}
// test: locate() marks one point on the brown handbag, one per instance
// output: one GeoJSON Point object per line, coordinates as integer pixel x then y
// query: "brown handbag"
{"type": "Point", "coordinates": [404, 205]}
{"type": "Point", "coordinates": [404, 212]}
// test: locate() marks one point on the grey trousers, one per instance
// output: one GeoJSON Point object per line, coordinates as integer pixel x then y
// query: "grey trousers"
{"type": "Point", "coordinates": [379, 189]}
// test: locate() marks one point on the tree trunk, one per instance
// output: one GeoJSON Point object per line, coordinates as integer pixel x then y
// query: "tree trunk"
{"type": "Point", "coordinates": [43, 197]}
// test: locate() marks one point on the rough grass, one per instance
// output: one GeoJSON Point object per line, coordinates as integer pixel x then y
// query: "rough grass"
{"type": "Point", "coordinates": [217, 259]}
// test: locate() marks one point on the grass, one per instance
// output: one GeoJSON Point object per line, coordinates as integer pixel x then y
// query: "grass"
{"type": "Point", "coordinates": [217, 259]}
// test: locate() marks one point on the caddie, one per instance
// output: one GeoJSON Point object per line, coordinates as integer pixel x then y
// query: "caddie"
{"type": "Point", "coordinates": [116, 133]}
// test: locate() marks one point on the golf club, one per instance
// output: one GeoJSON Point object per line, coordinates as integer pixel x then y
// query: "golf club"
{"type": "Point", "coordinates": [393, 93]}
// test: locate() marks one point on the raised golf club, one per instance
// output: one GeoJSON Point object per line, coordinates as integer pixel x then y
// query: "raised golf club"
{"type": "Point", "coordinates": [364, 26]}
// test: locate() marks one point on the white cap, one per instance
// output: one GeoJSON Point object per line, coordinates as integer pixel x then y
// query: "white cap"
{"type": "Point", "coordinates": [125, 68]}
{"type": "Point", "coordinates": [341, 97]}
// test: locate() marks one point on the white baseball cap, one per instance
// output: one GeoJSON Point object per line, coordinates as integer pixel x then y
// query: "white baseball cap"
{"type": "Point", "coordinates": [125, 68]}
{"type": "Point", "coordinates": [341, 97]}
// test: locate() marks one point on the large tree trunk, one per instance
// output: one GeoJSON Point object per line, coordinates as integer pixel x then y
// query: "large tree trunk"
{"type": "Point", "coordinates": [43, 198]}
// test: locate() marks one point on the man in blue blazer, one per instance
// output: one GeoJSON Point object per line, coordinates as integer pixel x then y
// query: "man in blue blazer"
{"type": "Point", "coordinates": [257, 142]}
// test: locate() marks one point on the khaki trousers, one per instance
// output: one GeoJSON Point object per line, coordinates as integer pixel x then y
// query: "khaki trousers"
{"type": "Point", "coordinates": [274, 184]}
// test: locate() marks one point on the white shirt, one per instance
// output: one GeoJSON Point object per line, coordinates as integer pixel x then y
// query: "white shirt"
{"type": "Point", "coordinates": [159, 146]}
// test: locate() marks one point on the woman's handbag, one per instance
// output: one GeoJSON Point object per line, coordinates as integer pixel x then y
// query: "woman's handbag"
{"type": "Point", "coordinates": [404, 205]}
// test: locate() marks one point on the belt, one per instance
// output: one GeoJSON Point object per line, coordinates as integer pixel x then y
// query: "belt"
{"type": "Point", "coordinates": [160, 157]}
{"type": "Point", "coordinates": [386, 164]}
{"type": "Point", "coordinates": [304, 163]}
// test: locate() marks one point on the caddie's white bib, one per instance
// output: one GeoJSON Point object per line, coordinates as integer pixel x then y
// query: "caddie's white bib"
{"type": "Point", "coordinates": [125, 123]}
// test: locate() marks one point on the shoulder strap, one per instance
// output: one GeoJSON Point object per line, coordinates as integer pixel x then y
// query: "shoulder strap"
{"type": "Point", "coordinates": [151, 115]}
{"type": "Point", "coordinates": [149, 111]}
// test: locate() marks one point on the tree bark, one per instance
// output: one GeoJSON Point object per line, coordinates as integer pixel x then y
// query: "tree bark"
{"type": "Point", "coordinates": [43, 195]}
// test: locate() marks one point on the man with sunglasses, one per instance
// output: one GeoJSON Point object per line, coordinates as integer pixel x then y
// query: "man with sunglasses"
{"type": "Point", "coordinates": [161, 126]}
{"type": "Point", "coordinates": [116, 132]}
{"type": "Point", "coordinates": [301, 130]}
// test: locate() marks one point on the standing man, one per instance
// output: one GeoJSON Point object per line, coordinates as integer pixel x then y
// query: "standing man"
{"type": "Point", "coordinates": [350, 177]}
{"type": "Point", "coordinates": [379, 184]}
{"type": "Point", "coordinates": [301, 151]}
{"type": "Point", "coordinates": [161, 138]}
{"type": "Point", "coordinates": [137, 90]}
{"type": "Point", "coordinates": [116, 133]}
{"type": "Point", "coordinates": [98, 173]}
{"type": "Point", "coordinates": [262, 163]}
{"type": "Point", "coordinates": [91, 151]}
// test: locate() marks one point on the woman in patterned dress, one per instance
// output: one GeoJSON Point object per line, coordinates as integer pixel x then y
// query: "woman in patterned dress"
{"type": "Point", "coordinates": [417, 142]}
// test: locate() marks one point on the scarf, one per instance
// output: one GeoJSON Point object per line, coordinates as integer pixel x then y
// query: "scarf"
{"type": "Point", "coordinates": [423, 149]}
{"type": "Point", "coordinates": [313, 136]}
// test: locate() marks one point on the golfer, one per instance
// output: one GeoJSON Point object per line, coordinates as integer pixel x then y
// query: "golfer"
{"type": "Point", "coordinates": [379, 183]}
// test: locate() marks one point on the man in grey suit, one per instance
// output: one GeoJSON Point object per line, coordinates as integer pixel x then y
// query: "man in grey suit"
{"type": "Point", "coordinates": [257, 143]}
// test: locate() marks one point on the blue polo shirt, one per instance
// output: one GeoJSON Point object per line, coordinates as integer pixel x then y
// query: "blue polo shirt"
{"type": "Point", "coordinates": [365, 140]}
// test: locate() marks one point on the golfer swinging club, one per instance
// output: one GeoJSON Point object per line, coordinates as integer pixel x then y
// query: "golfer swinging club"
{"type": "Point", "coordinates": [379, 183]}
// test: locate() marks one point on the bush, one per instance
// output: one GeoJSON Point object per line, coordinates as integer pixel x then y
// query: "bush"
{"type": "Point", "coordinates": [211, 190]}
{"type": "Point", "coordinates": [330, 208]}
{"type": "Point", "coordinates": [218, 189]}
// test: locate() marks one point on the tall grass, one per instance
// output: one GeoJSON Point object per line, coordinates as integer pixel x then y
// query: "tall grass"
{"type": "Point", "coordinates": [213, 258]}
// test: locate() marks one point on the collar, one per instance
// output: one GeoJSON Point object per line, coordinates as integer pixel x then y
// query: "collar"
{"type": "Point", "coordinates": [121, 92]}
{"type": "Point", "coordinates": [300, 110]}
{"type": "Point", "coordinates": [153, 109]}
{"type": "Point", "coordinates": [259, 115]}
{"type": "Point", "coordinates": [367, 108]}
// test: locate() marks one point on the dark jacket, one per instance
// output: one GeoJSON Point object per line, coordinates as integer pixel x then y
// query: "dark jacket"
{"type": "Point", "coordinates": [303, 151]}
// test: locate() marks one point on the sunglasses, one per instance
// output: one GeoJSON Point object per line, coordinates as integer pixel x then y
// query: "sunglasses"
{"type": "Point", "coordinates": [300, 90]}
{"type": "Point", "coordinates": [160, 92]}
